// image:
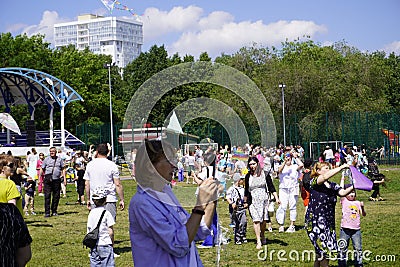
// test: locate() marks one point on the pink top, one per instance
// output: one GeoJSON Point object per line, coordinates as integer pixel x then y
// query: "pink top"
{"type": "Point", "coordinates": [337, 157]}
{"type": "Point", "coordinates": [351, 213]}
{"type": "Point", "coordinates": [260, 160]}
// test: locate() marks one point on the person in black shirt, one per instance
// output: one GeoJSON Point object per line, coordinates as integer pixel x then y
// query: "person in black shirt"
{"type": "Point", "coordinates": [15, 239]}
{"type": "Point", "coordinates": [80, 183]}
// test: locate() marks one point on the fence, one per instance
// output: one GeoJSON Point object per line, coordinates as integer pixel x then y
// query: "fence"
{"type": "Point", "coordinates": [359, 128]}
{"type": "Point", "coordinates": [99, 133]}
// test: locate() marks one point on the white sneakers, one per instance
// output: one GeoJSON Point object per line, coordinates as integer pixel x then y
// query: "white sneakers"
{"type": "Point", "coordinates": [291, 229]}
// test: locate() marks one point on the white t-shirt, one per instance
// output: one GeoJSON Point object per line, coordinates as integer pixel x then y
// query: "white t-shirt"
{"type": "Point", "coordinates": [32, 162]}
{"type": "Point", "coordinates": [102, 172]}
{"type": "Point", "coordinates": [191, 160]}
{"type": "Point", "coordinates": [329, 154]}
{"type": "Point", "coordinates": [236, 194]}
{"type": "Point", "coordinates": [106, 222]}
{"type": "Point", "coordinates": [80, 160]}
{"type": "Point", "coordinates": [288, 178]}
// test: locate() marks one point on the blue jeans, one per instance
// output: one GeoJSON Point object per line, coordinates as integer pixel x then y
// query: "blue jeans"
{"type": "Point", "coordinates": [102, 256]}
{"type": "Point", "coordinates": [355, 236]}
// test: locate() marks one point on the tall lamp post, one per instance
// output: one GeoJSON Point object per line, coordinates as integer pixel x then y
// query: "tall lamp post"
{"type": "Point", "coordinates": [109, 65]}
{"type": "Point", "coordinates": [282, 86]}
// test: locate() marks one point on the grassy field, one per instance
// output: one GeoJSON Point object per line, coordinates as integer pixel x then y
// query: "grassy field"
{"type": "Point", "coordinates": [57, 241]}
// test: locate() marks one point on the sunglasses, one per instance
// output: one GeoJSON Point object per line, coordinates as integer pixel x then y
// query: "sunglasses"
{"type": "Point", "coordinates": [253, 163]}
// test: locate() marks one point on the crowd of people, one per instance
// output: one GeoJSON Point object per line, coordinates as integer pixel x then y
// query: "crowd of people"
{"type": "Point", "coordinates": [46, 177]}
{"type": "Point", "coordinates": [253, 190]}
{"type": "Point", "coordinates": [161, 230]}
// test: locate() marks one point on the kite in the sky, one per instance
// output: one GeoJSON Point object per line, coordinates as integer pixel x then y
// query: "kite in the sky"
{"type": "Point", "coordinates": [114, 4]}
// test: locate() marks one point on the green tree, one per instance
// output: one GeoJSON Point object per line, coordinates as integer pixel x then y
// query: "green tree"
{"type": "Point", "coordinates": [85, 72]}
{"type": "Point", "coordinates": [25, 52]}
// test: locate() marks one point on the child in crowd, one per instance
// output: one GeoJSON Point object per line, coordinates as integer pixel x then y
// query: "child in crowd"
{"type": "Point", "coordinates": [337, 158]}
{"type": "Point", "coordinates": [377, 178]}
{"type": "Point", "coordinates": [30, 187]}
{"type": "Point", "coordinates": [271, 211]}
{"type": "Point", "coordinates": [350, 227]}
{"type": "Point", "coordinates": [236, 200]}
{"type": "Point", "coordinates": [181, 170]}
{"type": "Point", "coordinates": [102, 254]}
{"type": "Point", "coordinates": [80, 183]}
{"type": "Point", "coordinates": [236, 177]}
{"type": "Point", "coordinates": [40, 177]}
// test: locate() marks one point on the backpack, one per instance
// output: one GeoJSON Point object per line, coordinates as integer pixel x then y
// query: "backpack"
{"type": "Point", "coordinates": [91, 238]}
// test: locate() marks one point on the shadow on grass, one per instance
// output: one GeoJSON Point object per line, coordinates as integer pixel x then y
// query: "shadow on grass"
{"type": "Point", "coordinates": [67, 212]}
{"type": "Point", "coordinates": [276, 241]}
{"type": "Point", "coordinates": [74, 203]}
{"type": "Point", "coordinates": [121, 241]}
{"type": "Point", "coordinates": [38, 224]}
{"type": "Point", "coordinates": [269, 241]}
{"type": "Point", "coordinates": [122, 250]}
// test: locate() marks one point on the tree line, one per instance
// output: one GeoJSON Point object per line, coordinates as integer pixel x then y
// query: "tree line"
{"type": "Point", "coordinates": [318, 79]}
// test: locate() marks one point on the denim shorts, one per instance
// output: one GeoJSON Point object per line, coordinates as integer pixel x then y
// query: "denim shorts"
{"type": "Point", "coordinates": [102, 256]}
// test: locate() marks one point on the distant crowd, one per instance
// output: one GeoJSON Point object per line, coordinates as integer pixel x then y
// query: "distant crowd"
{"type": "Point", "coordinates": [252, 169]}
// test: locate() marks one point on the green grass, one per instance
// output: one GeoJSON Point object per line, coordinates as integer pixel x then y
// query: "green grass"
{"type": "Point", "coordinates": [57, 241]}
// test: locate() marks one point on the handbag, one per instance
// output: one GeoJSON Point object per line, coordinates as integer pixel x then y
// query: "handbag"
{"type": "Point", "coordinates": [49, 177]}
{"type": "Point", "coordinates": [91, 238]}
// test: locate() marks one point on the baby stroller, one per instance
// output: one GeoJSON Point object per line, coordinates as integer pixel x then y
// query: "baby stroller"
{"type": "Point", "coordinates": [377, 178]}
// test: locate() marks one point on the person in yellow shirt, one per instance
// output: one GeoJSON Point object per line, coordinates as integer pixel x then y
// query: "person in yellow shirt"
{"type": "Point", "coordinates": [8, 190]}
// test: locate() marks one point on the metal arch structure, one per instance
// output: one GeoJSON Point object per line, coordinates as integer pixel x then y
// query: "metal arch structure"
{"type": "Point", "coordinates": [32, 87]}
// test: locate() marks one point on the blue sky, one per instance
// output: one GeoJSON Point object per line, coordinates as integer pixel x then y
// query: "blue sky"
{"type": "Point", "coordinates": [216, 26]}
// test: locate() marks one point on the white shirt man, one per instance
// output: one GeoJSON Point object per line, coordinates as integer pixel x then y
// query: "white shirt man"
{"type": "Point", "coordinates": [103, 172]}
{"type": "Point", "coordinates": [328, 154]}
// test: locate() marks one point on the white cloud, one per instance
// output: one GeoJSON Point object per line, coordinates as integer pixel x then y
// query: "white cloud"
{"type": "Point", "coordinates": [189, 31]}
{"type": "Point", "coordinates": [157, 23]}
{"type": "Point", "coordinates": [215, 20]}
{"type": "Point", "coordinates": [392, 47]}
{"type": "Point", "coordinates": [45, 26]}
{"type": "Point", "coordinates": [231, 36]}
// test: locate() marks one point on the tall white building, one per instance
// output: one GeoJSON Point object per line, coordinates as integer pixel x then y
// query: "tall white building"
{"type": "Point", "coordinates": [120, 38]}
